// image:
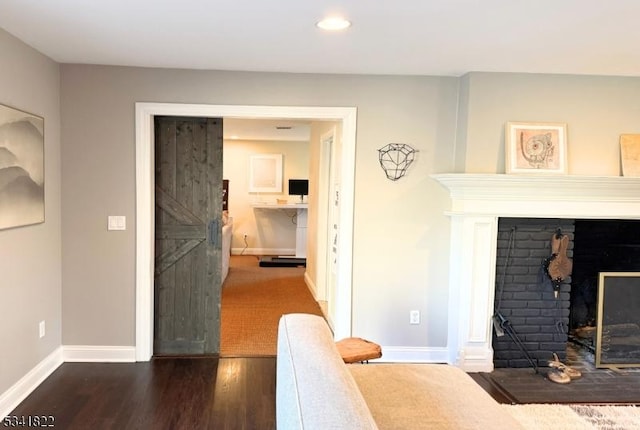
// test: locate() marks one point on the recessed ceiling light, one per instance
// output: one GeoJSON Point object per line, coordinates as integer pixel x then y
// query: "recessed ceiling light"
{"type": "Point", "coordinates": [333, 24]}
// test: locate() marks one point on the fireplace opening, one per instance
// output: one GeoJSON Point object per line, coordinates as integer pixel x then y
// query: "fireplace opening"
{"type": "Point", "coordinates": [601, 246]}
{"type": "Point", "coordinates": [545, 321]}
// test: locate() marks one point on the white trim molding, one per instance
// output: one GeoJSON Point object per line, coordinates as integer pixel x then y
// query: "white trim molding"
{"type": "Point", "coordinates": [264, 251]}
{"type": "Point", "coordinates": [405, 354]}
{"type": "Point", "coordinates": [11, 398]}
{"type": "Point", "coordinates": [478, 201]}
{"type": "Point", "coordinates": [98, 354]}
{"type": "Point", "coordinates": [144, 116]}
{"type": "Point", "coordinates": [313, 289]}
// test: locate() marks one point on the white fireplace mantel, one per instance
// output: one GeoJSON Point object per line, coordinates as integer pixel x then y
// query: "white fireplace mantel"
{"type": "Point", "coordinates": [477, 202]}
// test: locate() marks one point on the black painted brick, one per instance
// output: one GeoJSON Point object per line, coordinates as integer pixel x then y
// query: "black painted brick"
{"type": "Point", "coordinates": [513, 304]}
{"type": "Point", "coordinates": [527, 295]}
{"type": "Point", "coordinates": [519, 363]}
{"type": "Point", "coordinates": [526, 312]}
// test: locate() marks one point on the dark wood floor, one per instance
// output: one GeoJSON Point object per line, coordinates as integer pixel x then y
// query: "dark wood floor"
{"type": "Point", "coordinates": [239, 393]}
{"type": "Point", "coordinates": [194, 393]}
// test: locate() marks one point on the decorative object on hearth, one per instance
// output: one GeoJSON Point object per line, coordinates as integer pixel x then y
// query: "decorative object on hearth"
{"type": "Point", "coordinates": [558, 266]}
{"type": "Point", "coordinates": [395, 159]}
{"type": "Point", "coordinates": [536, 147]}
{"type": "Point", "coordinates": [21, 168]}
{"type": "Point", "coordinates": [630, 154]}
{"type": "Point", "coordinates": [569, 371]}
{"type": "Point", "coordinates": [558, 376]}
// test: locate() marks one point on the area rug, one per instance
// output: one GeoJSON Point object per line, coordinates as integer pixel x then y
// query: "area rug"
{"type": "Point", "coordinates": [253, 300]}
{"type": "Point", "coordinates": [575, 417]}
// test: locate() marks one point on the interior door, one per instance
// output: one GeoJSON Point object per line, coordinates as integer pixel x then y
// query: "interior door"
{"type": "Point", "coordinates": [188, 208]}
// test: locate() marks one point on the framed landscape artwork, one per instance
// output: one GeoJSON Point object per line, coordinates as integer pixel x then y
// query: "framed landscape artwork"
{"type": "Point", "coordinates": [534, 147]}
{"type": "Point", "coordinates": [21, 168]}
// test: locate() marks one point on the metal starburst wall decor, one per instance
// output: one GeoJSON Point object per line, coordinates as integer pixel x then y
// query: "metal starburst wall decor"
{"type": "Point", "coordinates": [395, 159]}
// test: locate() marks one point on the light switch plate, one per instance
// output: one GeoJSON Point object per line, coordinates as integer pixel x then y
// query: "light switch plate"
{"type": "Point", "coordinates": [117, 223]}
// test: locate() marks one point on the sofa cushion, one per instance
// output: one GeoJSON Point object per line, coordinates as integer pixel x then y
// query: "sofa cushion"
{"type": "Point", "coordinates": [428, 396]}
{"type": "Point", "coordinates": [314, 389]}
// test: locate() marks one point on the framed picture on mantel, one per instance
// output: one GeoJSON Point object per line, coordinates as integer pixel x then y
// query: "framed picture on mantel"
{"type": "Point", "coordinates": [630, 154]}
{"type": "Point", "coordinates": [536, 147]}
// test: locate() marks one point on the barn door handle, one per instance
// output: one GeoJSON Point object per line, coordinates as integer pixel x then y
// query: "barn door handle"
{"type": "Point", "coordinates": [213, 232]}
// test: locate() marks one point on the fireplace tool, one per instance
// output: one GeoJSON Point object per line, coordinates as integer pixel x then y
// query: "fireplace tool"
{"type": "Point", "coordinates": [506, 327]}
{"type": "Point", "coordinates": [558, 266]}
{"type": "Point", "coordinates": [501, 324]}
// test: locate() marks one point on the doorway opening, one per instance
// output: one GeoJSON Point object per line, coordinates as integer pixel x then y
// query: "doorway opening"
{"type": "Point", "coordinates": [145, 112]}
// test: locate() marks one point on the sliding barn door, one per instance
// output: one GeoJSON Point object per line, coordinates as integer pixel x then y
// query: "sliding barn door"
{"type": "Point", "coordinates": [188, 207]}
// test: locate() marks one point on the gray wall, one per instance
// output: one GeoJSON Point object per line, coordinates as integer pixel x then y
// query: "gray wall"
{"type": "Point", "coordinates": [397, 230]}
{"type": "Point", "coordinates": [596, 109]}
{"type": "Point", "coordinates": [30, 257]}
{"type": "Point", "coordinates": [401, 237]}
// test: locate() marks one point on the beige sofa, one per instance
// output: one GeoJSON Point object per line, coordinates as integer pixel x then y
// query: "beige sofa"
{"type": "Point", "coordinates": [316, 390]}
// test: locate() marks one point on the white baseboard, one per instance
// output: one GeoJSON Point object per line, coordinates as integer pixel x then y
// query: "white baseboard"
{"type": "Point", "coordinates": [29, 382]}
{"type": "Point", "coordinates": [311, 285]}
{"type": "Point", "coordinates": [99, 354]}
{"type": "Point", "coordinates": [66, 353]}
{"type": "Point", "coordinates": [406, 354]}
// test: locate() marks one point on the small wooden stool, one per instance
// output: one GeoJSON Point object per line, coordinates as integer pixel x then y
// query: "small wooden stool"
{"type": "Point", "coordinates": [355, 349]}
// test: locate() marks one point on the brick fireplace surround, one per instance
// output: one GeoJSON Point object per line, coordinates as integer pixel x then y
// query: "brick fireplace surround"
{"type": "Point", "coordinates": [478, 201]}
{"type": "Point", "coordinates": [525, 294]}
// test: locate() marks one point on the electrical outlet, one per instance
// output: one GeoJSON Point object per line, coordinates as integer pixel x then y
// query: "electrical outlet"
{"type": "Point", "coordinates": [414, 317]}
{"type": "Point", "coordinates": [41, 329]}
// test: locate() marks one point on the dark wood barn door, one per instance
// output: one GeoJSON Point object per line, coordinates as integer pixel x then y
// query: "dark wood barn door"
{"type": "Point", "coordinates": [188, 208]}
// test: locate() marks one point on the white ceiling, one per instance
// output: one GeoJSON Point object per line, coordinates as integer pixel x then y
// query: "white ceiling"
{"type": "Point", "coordinates": [267, 129]}
{"type": "Point", "coordinates": [412, 37]}
{"type": "Point", "coordinates": [404, 37]}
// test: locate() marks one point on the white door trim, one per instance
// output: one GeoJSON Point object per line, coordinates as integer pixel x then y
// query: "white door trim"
{"type": "Point", "coordinates": [323, 236]}
{"type": "Point", "coordinates": [145, 113]}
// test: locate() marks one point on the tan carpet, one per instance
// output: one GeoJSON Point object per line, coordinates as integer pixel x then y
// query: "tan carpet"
{"type": "Point", "coordinates": [404, 396]}
{"type": "Point", "coordinates": [253, 299]}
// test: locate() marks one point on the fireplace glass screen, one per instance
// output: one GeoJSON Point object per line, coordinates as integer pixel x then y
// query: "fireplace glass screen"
{"type": "Point", "coordinates": [618, 328]}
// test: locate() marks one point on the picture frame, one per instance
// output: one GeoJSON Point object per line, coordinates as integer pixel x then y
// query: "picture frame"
{"type": "Point", "coordinates": [21, 168]}
{"type": "Point", "coordinates": [618, 322]}
{"type": "Point", "coordinates": [630, 154]}
{"type": "Point", "coordinates": [265, 173]}
{"type": "Point", "coordinates": [536, 147]}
